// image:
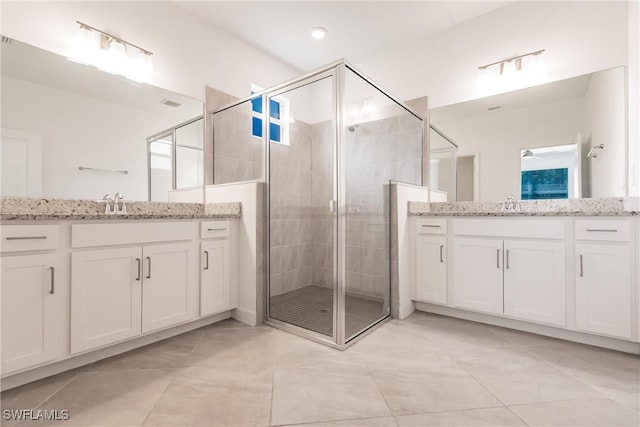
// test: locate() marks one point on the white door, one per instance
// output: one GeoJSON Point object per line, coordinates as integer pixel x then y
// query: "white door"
{"type": "Point", "coordinates": [603, 289]}
{"type": "Point", "coordinates": [20, 163]}
{"type": "Point", "coordinates": [170, 286]}
{"type": "Point", "coordinates": [534, 281]}
{"type": "Point", "coordinates": [106, 293]}
{"type": "Point", "coordinates": [214, 277]}
{"type": "Point", "coordinates": [477, 274]}
{"type": "Point", "coordinates": [29, 304]}
{"type": "Point", "coordinates": [431, 269]}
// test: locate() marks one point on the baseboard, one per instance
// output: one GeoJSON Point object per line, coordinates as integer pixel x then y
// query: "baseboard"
{"type": "Point", "coordinates": [20, 378]}
{"type": "Point", "coordinates": [550, 331]}
{"type": "Point", "coordinates": [245, 316]}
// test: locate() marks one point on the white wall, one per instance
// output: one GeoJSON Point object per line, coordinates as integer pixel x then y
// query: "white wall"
{"type": "Point", "coordinates": [605, 124]}
{"type": "Point", "coordinates": [500, 135]}
{"type": "Point", "coordinates": [73, 131]}
{"type": "Point", "coordinates": [188, 52]}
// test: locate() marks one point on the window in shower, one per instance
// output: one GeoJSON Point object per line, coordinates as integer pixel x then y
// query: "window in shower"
{"type": "Point", "coordinates": [279, 117]}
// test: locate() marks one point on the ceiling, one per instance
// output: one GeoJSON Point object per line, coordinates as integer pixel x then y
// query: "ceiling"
{"type": "Point", "coordinates": [356, 29]}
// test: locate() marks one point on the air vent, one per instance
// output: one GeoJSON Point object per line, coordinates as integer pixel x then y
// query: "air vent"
{"type": "Point", "coordinates": [6, 40]}
{"type": "Point", "coordinates": [497, 107]}
{"type": "Point", "coordinates": [170, 103]}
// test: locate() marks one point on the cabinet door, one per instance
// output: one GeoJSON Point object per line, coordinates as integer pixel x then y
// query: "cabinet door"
{"type": "Point", "coordinates": [534, 281]}
{"type": "Point", "coordinates": [477, 274]}
{"type": "Point", "coordinates": [431, 269]}
{"type": "Point", "coordinates": [29, 304]}
{"type": "Point", "coordinates": [215, 283]}
{"type": "Point", "coordinates": [169, 285]}
{"type": "Point", "coordinates": [603, 289]}
{"type": "Point", "coordinates": [105, 297]}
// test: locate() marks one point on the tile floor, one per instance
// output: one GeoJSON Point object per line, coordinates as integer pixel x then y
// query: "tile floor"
{"type": "Point", "coordinates": [425, 371]}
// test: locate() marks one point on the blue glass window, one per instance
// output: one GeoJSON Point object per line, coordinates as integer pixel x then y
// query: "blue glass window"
{"type": "Point", "coordinates": [274, 109]}
{"type": "Point", "coordinates": [274, 132]}
{"type": "Point", "coordinates": [545, 184]}
{"type": "Point", "coordinates": [256, 127]}
{"type": "Point", "coordinates": [256, 105]}
{"type": "Point", "coordinates": [275, 125]}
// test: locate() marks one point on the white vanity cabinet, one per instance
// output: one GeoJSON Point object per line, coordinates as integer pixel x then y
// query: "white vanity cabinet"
{"type": "Point", "coordinates": [603, 277]}
{"type": "Point", "coordinates": [431, 261]}
{"type": "Point", "coordinates": [477, 274]}
{"type": "Point", "coordinates": [119, 293]}
{"type": "Point", "coordinates": [31, 303]}
{"type": "Point", "coordinates": [515, 273]}
{"type": "Point", "coordinates": [218, 288]}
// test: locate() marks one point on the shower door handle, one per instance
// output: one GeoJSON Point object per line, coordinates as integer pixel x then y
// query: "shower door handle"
{"type": "Point", "coordinates": [332, 206]}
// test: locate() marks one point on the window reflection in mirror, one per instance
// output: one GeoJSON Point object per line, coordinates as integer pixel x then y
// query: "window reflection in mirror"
{"type": "Point", "coordinates": [59, 115]}
{"type": "Point", "coordinates": [586, 111]}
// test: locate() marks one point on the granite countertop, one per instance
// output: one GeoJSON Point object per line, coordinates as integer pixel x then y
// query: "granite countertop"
{"type": "Point", "coordinates": [19, 208]}
{"type": "Point", "coordinates": [610, 206]}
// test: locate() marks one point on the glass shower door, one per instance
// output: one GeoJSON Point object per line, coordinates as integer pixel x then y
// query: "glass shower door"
{"type": "Point", "coordinates": [300, 126]}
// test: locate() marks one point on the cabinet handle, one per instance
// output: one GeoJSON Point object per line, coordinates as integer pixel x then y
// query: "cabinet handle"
{"type": "Point", "coordinates": [498, 258]}
{"type": "Point", "coordinates": [581, 267]}
{"type": "Point", "coordinates": [53, 280]}
{"type": "Point", "coordinates": [206, 254]}
{"type": "Point", "coordinates": [139, 266]}
{"type": "Point", "coordinates": [507, 253]}
{"type": "Point", "coordinates": [431, 226]}
{"type": "Point", "coordinates": [441, 248]}
{"type": "Point", "coordinates": [27, 238]}
{"type": "Point", "coordinates": [149, 268]}
{"type": "Point", "coordinates": [216, 229]}
{"type": "Point", "coordinates": [603, 230]}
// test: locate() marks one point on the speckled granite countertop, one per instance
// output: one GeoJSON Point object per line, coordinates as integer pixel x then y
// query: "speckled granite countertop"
{"type": "Point", "coordinates": [19, 208]}
{"type": "Point", "coordinates": [611, 206]}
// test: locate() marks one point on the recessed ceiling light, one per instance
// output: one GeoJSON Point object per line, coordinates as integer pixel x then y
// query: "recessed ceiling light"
{"type": "Point", "coordinates": [318, 33]}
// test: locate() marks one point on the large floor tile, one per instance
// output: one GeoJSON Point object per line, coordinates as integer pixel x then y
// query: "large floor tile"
{"type": "Point", "coordinates": [521, 338]}
{"type": "Point", "coordinates": [205, 396]}
{"type": "Point", "coordinates": [611, 373]}
{"type": "Point", "coordinates": [251, 350]}
{"type": "Point", "coordinates": [304, 395]}
{"type": "Point", "coordinates": [440, 389]}
{"type": "Point", "coordinates": [580, 412]}
{"type": "Point", "coordinates": [470, 418]}
{"type": "Point", "coordinates": [32, 395]}
{"type": "Point", "coordinates": [112, 398]}
{"type": "Point", "coordinates": [170, 353]}
{"type": "Point", "coordinates": [360, 422]}
{"type": "Point", "coordinates": [523, 378]}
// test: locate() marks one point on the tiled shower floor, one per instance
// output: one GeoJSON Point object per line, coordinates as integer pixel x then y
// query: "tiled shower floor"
{"type": "Point", "coordinates": [311, 308]}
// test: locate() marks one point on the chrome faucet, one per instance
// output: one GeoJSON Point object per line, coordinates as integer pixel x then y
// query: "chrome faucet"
{"type": "Point", "coordinates": [511, 205]}
{"type": "Point", "coordinates": [119, 206]}
{"type": "Point", "coordinates": [109, 207]}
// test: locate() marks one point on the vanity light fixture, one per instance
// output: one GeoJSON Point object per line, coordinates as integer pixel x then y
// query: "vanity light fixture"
{"type": "Point", "coordinates": [109, 53]}
{"type": "Point", "coordinates": [318, 33]}
{"type": "Point", "coordinates": [514, 63]}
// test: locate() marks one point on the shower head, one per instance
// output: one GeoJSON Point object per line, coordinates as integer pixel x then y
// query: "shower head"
{"type": "Point", "coordinates": [593, 152]}
{"type": "Point", "coordinates": [352, 128]}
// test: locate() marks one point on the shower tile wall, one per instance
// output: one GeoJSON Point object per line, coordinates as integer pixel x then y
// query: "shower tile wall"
{"type": "Point", "coordinates": [237, 154]}
{"type": "Point", "coordinates": [291, 213]}
{"type": "Point", "coordinates": [375, 152]}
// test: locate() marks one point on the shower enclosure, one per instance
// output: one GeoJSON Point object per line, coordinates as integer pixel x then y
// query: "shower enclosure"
{"type": "Point", "coordinates": [336, 140]}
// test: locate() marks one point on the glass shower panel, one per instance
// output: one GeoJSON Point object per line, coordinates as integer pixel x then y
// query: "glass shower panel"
{"type": "Point", "coordinates": [190, 155]}
{"type": "Point", "coordinates": [160, 167]}
{"type": "Point", "coordinates": [237, 143]}
{"type": "Point", "coordinates": [301, 225]}
{"type": "Point", "coordinates": [382, 141]}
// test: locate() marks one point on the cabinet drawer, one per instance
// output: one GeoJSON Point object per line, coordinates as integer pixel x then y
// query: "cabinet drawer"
{"type": "Point", "coordinates": [431, 226]}
{"type": "Point", "coordinates": [212, 229]}
{"type": "Point", "coordinates": [607, 230]}
{"type": "Point", "coordinates": [511, 227]}
{"type": "Point", "coordinates": [16, 238]}
{"type": "Point", "coordinates": [92, 235]}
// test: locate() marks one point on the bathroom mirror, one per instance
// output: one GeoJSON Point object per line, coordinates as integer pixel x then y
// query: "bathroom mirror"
{"type": "Point", "coordinates": [73, 131]}
{"type": "Point", "coordinates": [585, 112]}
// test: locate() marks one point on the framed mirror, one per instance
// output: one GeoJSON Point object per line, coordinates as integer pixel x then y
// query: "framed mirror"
{"type": "Point", "coordinates": [507, 141]}
{"type": "Point", "coordinates": [74, 131]}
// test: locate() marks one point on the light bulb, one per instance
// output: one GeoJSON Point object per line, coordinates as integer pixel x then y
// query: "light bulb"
{"type": "Point", "coordinates": [84, 46]}
{"type": "Point", "coordinates": [318, 33]}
